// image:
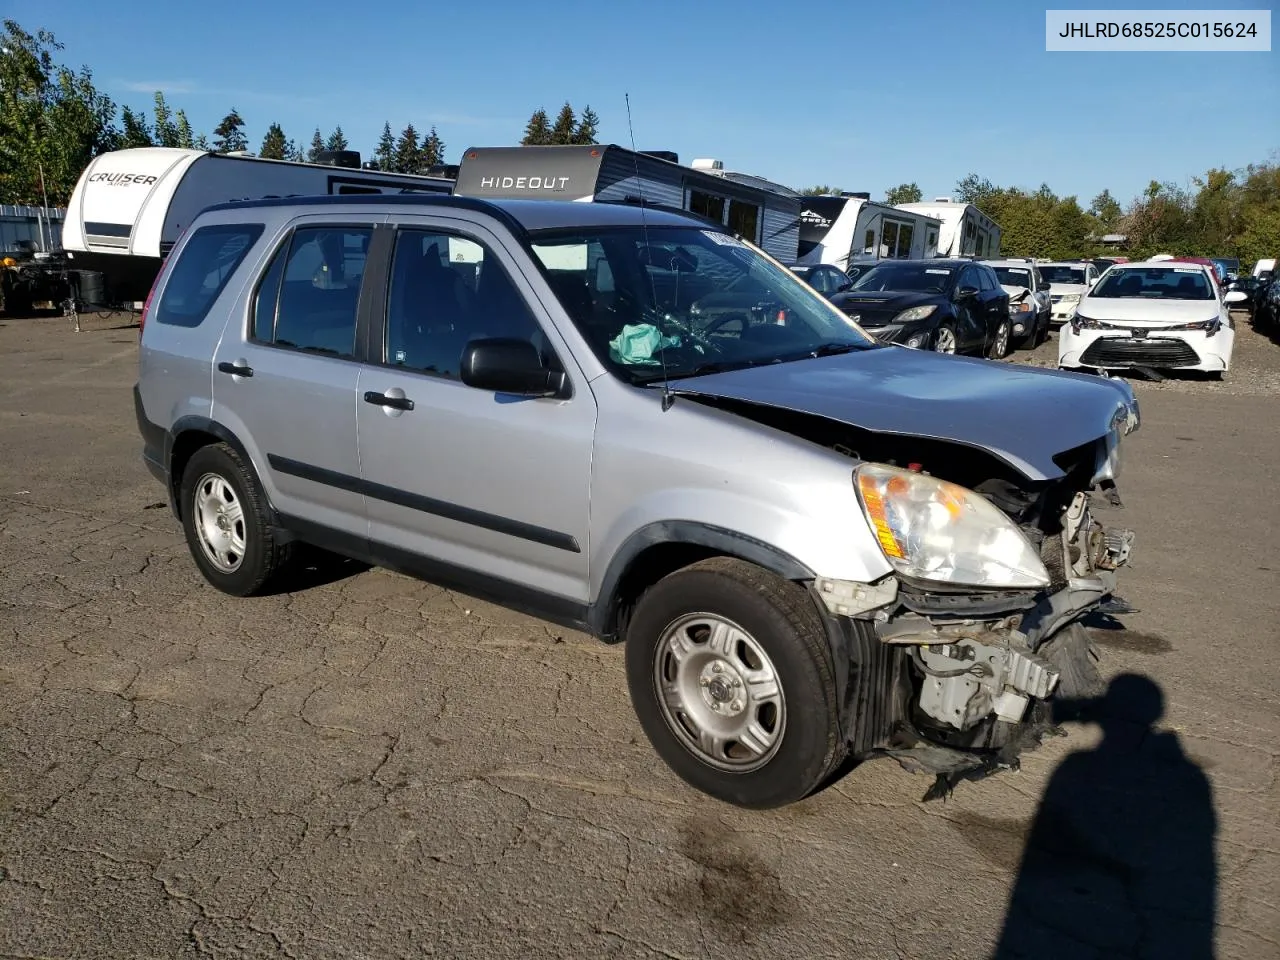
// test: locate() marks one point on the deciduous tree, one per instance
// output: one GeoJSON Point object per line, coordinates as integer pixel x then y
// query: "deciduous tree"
{"type": "Point", "coordinates": [903, 193]}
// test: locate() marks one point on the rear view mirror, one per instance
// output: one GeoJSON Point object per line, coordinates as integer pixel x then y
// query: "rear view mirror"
{"type": "Point", "coordinates": [509, 365]}
{"type": "Point", "coordinates": [966, 293]}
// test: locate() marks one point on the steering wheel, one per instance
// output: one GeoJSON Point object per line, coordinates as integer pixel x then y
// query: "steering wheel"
{"type": "Point", "coordinates": [714, 325]}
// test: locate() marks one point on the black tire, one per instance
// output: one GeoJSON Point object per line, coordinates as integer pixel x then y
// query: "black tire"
{"type": "Point", "coordinates": [993, 349]}
{"type": "Point", "coordinates": [781, 618]}
{"type": "Point", "coordinates": [262, 558]}
{"type": "Point", "coordinates": [950, 328]}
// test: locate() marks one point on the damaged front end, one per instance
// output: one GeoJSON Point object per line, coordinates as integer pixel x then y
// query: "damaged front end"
{"type": "Point", "coordinates": [958, 680]}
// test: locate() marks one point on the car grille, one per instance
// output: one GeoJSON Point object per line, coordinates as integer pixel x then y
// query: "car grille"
{"type": "Point", "coordinates": [1149, 352]}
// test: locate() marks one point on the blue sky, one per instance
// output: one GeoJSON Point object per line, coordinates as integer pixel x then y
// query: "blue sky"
{"type": "Point", "coordinates": [859, 96]}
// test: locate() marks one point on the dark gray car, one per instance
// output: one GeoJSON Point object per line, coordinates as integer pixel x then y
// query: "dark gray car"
{"type": "Point", "coordinates": [624, 420]}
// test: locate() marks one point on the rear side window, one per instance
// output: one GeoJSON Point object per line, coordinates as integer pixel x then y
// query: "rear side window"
{"type": "Point", "coordinates": [309, 295]}
{"type": "Point", "coordinates": [204, 267]}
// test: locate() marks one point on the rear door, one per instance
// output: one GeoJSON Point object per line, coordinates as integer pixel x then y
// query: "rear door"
{"type": "Point", "coordinates": [285, 372]}
{"type": "Point", "coordinates": [490, 485]}
{"type": "Point", "coordinates": [971, 312]}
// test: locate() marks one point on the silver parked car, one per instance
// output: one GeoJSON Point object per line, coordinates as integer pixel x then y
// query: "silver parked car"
{"type": "Point", "coordinates": [814, 545]}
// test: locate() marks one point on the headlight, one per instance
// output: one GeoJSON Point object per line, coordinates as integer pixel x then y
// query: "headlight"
{"type": "Point", "coordinates": [1023, 307]}
{"type": "Point", "coordinates": [915, 313]}
{"type": "Point", "coordinates": [1081, 322]}
{"type": "Point", "coordinates": [1070, 298]}
{"type": "Point", "coordinates": [934, 530]}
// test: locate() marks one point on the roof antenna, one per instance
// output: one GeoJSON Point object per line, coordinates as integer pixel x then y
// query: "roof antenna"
{"type": "Point", "coordinates": [668, 398]}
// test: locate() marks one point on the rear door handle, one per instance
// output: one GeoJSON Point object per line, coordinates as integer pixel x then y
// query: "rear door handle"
{"type": "Point", "coordinates": [238, 369]}
{"type": "Point", "coordinates": [382, 400]}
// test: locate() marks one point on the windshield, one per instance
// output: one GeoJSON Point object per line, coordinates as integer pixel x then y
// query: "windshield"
{"type": "Point", "coordinates": [692, 301]}
{"type": "Point", "coordinates": [1154, 283]}
{"type": "Point", "coordinates": [1062, 274]}
{"type": "Point", "coordinates": [1013, 277]}
{"type": "Point", "coordinates": [905, 276]}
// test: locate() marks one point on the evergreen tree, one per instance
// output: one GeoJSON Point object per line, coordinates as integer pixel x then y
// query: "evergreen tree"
{"type": "Point", "coordinates": [294, 152]}
{"type": "Point", "coordinates": [182, 129]}
{"type": "Point", "coordinates": [587, 126]}
{"type": "Point", "coordinates": [166, 131]}
{"type": "Point", "coordinates": [384, 154]}
{"type": "Point", "coordinates": [407, 155]}
{"type": "Point", "coordinates": [538, 130]}
{"type": "Point", "coordinates": [134, 131]}
{"type": "Point", "coordinates": [820, 190]}
{"type": "Point", "coordinates": [431, 151]}
{"type": "Point", "coordinates": [317, 147]}
{"type": "Point", "coordinates": [336, 140]}
{"type": "Point", "coordinates": [274, 146]}
{"type": "Point", "coordinates": [903, 193]}
{"type": "Point", "coordinates": [562, 131]}
{"type": "Point", "coordinates": [229, 134]}
{"type": "Point", "coordinates": [202, 142]}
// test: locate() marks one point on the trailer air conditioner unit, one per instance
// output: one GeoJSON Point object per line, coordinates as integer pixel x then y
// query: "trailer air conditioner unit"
{"type": "Point", "coordinates": [706, 163]}
{"type": "Point", "coordinates": [942, 200]}
{"type": "Point", "coordinates": [856, 195]}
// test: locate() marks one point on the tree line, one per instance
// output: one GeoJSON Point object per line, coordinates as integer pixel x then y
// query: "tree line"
{"type": "Point", "coordinates": [54, 121]}
{"type": "Point", "coordinates": [1227, 213]}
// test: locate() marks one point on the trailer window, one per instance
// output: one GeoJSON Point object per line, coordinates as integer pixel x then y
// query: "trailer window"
{"type": "Point", "coordinates": [744, 219]}
{"type": "Point", "coordinates": [706, 205]}
{"type": "Point", "coordinates": [206, 263]}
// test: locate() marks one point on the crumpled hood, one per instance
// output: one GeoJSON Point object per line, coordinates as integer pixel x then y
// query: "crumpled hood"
{"type": "Point", "coordinates": [1148, 312]}
{"type": "Point", "coordinates": [1015, 293]}
{"type": "Point", "coordinates": [1023, 415]}
{"type": "Point", "coordinates": [1068, 289]}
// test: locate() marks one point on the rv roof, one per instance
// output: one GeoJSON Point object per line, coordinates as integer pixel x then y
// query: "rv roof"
{"type": "Point", "coordinates": [529, 214]}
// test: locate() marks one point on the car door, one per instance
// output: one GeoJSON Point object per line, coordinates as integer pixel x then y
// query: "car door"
{"type": "Point", "coordinates": [285, 373]}
{"type": "Point", "coordinates": [486, 484]}
{"type": "Point", "coordinates": [995, 302]}
{"type": "Point", "coordinates": [971, 311]}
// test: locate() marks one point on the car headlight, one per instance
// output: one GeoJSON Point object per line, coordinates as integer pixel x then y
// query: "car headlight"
{"type": "Point", "coordinates": [934, 530]}
{"type": "Point", "coordinates": [915, 313]}
{"type": "Point", "coordinates": [1081, 322]}
{"type": "Point", "coordinates": [1023, 307]}
{"type": "Point", "coordinates": [1068, 299]}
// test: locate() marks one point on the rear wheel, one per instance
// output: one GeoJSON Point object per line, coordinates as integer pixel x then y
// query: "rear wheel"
{"type": "Point", "coordinates": [731, 679]}
{"type": "Point", "coordinates": [225, 518]}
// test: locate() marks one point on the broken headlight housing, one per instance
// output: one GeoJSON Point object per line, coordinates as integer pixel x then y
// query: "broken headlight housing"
{"type": "Point", "coordinates": [930, 529]}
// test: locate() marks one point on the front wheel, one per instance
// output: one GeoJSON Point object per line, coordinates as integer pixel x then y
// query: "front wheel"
{"type": "Point", "coordinates": [999, 346]}
{"type": "Point", "coordinates": [731, 678]}
{"type": "Point", "coordinates": [944, 340]}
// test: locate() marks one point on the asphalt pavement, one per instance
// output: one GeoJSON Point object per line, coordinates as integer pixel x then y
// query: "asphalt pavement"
{"type": "Point", "coordinates": [369, 766]}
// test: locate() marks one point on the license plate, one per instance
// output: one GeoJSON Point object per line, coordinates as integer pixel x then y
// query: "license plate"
{"type": "Point", "coordinates": [1139, 334]}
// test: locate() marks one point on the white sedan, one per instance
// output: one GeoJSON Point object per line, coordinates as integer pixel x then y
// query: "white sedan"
{"type": "Point", "coordinates": [1152, 314]}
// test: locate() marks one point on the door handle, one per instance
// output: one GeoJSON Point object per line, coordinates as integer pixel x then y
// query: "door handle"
{"type": "Point", "coordinates": [238, 369]}
{"type": "Point", "coordinates": [382, 400]}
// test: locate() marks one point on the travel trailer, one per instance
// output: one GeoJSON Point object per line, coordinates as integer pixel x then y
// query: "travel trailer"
{"type": "Point", "coordinates": [765, 213]}
{"type": "Point", "coordinates": [849, 228]}
{"type": "Point", "coordinates": [130, 206]}
{"type": "Point", "coordinates": [966, 230]}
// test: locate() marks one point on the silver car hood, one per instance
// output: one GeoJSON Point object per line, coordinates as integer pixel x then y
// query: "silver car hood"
{"type": "Point", "coordinates": [1023, 415]}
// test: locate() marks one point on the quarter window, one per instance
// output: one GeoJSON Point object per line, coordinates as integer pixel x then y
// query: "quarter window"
{"type": "Point", "coordinates": [309, 296]}
{"type": "Point", "coordinates": [447, 290]}
{"type": "Point", "coordinates": [204, 267]}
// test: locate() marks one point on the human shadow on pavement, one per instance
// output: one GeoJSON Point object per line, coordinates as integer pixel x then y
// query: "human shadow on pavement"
{"type": "Point", "coordinates": [1120, 859]}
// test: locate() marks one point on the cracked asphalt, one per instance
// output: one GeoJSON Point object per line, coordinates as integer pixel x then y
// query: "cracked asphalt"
{"type": "Point", "coordinates": [369, 766]}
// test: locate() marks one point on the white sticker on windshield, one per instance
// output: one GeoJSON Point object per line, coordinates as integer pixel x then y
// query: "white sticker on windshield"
{"type": "Point", "coordinates": [1185, 270]}
{"type": "Point", "coordinates": [945, 273]}
{"type": "Point", "coordinates": [724, 239]}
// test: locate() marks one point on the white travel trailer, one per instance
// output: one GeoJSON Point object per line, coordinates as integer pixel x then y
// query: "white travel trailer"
{"type": "Point", "coordinates": [966, 230]}
{"type": "Point", "coordinates": [130, 206]}
{"type": "Point", "coordinates": [849, 228]}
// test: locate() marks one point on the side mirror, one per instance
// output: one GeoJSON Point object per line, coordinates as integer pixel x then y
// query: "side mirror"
{"type": "Point", "coordinates": [1046, 286]}
{"type": "Point", "coordinates": [842, 286]}
{"type": "Point", "coordinates": [508, 365]}
{"type": "Point", "coordinates": [966, 293]}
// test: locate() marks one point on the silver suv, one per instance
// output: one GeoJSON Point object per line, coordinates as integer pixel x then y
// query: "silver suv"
{"type": "Point", "coordinates": [625, 420]}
